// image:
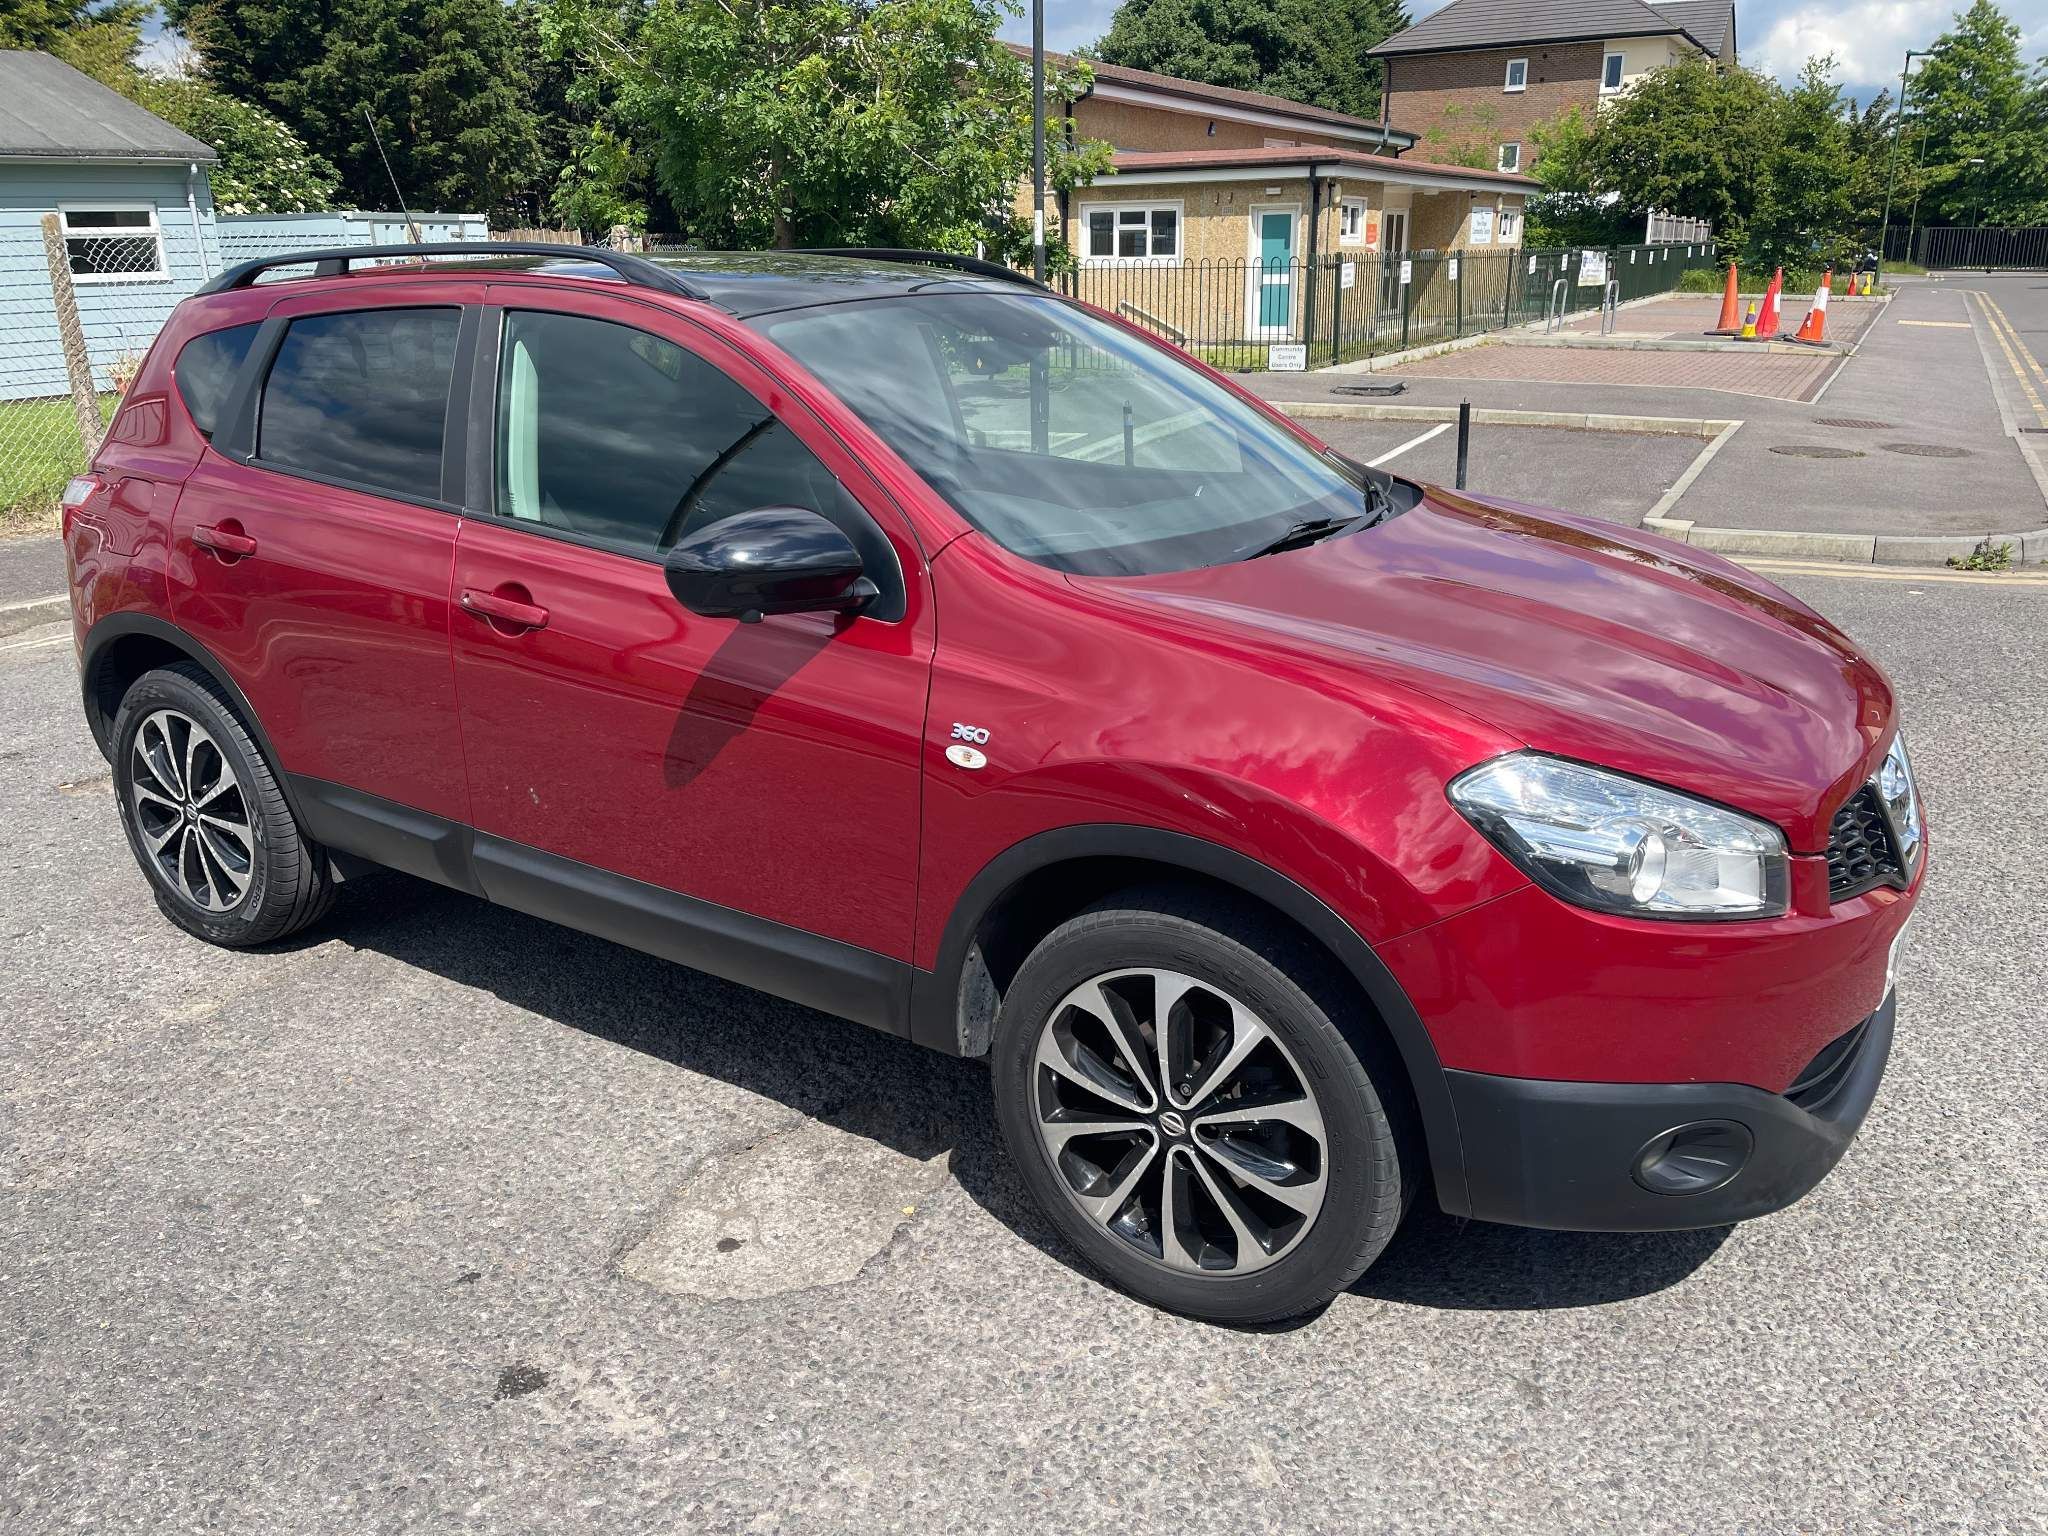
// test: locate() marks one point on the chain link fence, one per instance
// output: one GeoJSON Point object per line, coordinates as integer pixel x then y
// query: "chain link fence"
{"type": "Point", "coordinates": [1345, 307]}
{"type": "Point", "coordinates": [78, 310]}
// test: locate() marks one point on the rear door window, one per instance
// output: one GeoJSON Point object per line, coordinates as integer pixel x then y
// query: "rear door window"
{"type": "Point", "coordinates": [361, 397]}
{"type": "Point", "coordinates": [205, 372]}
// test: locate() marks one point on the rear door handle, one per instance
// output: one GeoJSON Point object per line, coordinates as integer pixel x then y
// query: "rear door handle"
{"type": "Point", "coordinates": [504, 610]}
{"type": "Point", "coordinates": [224, 541]}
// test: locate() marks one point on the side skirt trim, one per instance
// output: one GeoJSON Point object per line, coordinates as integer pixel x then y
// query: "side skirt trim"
{"type": "Point", "coordinates": [821, 973]}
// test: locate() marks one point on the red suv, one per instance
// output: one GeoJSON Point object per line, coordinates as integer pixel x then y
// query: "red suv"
{"type": "Point", "coordinates": [882, 631]}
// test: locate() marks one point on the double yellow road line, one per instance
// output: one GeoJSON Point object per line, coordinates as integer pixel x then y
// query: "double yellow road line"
{"type": "Point", "coordinates": [2025, 366]}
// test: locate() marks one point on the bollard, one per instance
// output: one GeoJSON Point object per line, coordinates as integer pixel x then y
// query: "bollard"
{"type": "Point", "coordinates": [1464, 438]}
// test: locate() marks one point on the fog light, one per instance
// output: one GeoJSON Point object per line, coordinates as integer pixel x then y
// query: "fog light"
{"type": "Point", "coordinates": [1693, 1159]}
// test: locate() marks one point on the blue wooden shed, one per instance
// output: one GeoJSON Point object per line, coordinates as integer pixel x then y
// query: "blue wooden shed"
{"type": "Point", "coordinates": [137, 220]}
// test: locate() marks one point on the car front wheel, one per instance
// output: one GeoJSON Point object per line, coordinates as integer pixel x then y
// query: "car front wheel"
{"type": "Point", "coordinates": [1180, 1099]}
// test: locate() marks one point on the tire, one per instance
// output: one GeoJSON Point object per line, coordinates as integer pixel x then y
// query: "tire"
{"type": "Point", "coordinates": [1232, 978]}
{"type": "Point", "coordinates": [223, 854]}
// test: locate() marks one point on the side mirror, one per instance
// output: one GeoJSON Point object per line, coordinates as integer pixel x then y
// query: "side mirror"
{"type": "Point", "coordinates": [769, 560]}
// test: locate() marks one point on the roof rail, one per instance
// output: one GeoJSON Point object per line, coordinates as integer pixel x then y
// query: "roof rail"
{"type": "Point", "coordinates": [972, 264]}
{"type": "Point", "coordinates": [637, 270]}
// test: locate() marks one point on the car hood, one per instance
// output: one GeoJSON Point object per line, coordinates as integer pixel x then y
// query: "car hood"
{"type": "Point", "coordinates": [1579, 638]}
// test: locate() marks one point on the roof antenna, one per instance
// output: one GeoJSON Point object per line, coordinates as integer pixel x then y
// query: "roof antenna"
{"type": "Point", "coordinates": [412, 228]}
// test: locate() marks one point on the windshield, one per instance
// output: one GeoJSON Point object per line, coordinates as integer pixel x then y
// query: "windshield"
{"type": "Point", "coordinates": [1066, 439]}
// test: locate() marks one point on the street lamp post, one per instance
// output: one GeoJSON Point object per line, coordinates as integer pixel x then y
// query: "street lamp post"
{"type": "Point", "coordinates": [1898, 128]}
{"type": "Point", "coordinates": [1038, 139]}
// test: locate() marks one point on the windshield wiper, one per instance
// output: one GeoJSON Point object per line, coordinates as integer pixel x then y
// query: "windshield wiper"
{"type": "Point", "coordinates": [1314, 531]}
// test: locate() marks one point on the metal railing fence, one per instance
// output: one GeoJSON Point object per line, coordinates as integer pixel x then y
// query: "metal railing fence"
{"type": "Point", "coordinates": [1348, 306]}
{"type": "Point", "coordinates": [1942, 249]}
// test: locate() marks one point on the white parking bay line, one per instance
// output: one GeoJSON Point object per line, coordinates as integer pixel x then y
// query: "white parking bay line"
{"type": "Point", "coordinates": [1413, 442]}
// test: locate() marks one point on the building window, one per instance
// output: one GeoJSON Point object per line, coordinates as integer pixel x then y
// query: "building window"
{"type": "Point", "coordinates": [1610, 71]}
{"type": "Point", "coordinates": [114, 243]}
{"type": "Point", "coordinates": [1518, 75]}
{"type": "Point", "coordinates": [1351, 221]}
{"type": "Point", "coordinates": [1510, 226]}
{"type": "Point", "coordinates": [1511, 157]}
{"type": "Point", "coordinates": [1132, 233]}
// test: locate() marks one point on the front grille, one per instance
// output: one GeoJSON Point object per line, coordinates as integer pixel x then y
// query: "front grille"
{"type": "Point", "coordinates": [1860, 849]}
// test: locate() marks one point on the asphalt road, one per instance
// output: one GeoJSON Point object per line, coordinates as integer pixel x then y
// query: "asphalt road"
{"type": "Point", "coordinates": [447, 1220]}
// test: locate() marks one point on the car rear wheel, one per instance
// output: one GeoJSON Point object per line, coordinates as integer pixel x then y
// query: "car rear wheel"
{"type": "Point", "coordinates": [206, 818]}
{"type": "Point", "coordinates": [1178, 1096]}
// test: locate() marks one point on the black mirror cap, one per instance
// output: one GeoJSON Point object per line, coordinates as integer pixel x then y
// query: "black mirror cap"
{"type": "Point", "coordinates": [769, 560]}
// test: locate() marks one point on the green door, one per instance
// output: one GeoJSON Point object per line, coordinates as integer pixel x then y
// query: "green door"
{"type": "Point", "coordinates": [1276, 271]}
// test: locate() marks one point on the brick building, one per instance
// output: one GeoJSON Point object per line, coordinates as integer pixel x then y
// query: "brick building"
{"type": "Point", "coordinates": [1486, 72]}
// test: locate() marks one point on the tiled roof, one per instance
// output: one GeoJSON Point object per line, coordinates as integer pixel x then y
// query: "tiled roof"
{"type": "Point", "coordinates": [49, 111]}
{"type": "Point", "coordinates": [1710, 23]}
{"type": "Point", "coordinates": [1222, 95]}
{"type": "Point", "coordinates": [1322, 154]}
{"type": "Point", "coordinates": [1465, 24]}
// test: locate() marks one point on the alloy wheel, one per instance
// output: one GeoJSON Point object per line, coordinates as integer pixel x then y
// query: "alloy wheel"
{"type": "Point", "coordinates": [191, 812]}
{"type": "Point", "coordinates": [1178, 1121]}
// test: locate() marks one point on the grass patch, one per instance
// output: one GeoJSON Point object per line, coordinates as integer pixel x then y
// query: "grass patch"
{"type": "Point", "coordinates": [39, 451]}
{"type": "Point", "coordinates": [1795, 282]}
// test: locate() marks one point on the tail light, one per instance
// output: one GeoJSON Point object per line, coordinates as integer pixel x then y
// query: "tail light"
{"type": "Point", "coordinates": [81, 490]}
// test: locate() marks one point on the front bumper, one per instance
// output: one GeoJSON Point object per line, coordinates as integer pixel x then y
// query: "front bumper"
{"type": "Point", "coordinates": [1603, 1156]}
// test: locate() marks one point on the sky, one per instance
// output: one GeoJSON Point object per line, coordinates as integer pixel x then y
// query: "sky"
{"type": "Point", "coordinates": [1868, 38]}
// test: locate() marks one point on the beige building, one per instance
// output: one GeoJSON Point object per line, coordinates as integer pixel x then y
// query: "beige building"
{"type": "Point", "coordinates": [1245, 193]}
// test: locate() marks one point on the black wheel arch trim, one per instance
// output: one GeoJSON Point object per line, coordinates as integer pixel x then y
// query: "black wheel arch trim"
{"type": "Point", "coordinates": [938, 1019]}
{"type": "Point", "coordinates": [117, 626]}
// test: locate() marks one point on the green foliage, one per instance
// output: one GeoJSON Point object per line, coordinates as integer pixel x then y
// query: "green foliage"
{"type": "Point", "coordinates": [1985, 557]}
{"type": "Point", "coordinates": [1982, 125]}
{"type": "Point", "coordinates": [264, 167]}
{"type": "Point", "coordinates": [1462, 135]}
{"type": "Point", "coordinates": [1567, 212]}
{"type": "Point", "coordinates": [443, 80]}
{"type": "Point", "coordinates": [1804, 212]}
{"type": "Point", "coordinates": [596, 189]}
{"type": "Point", "coordinates": [1310, 51]}
{"type": "Point", "coordinates": [96, 37]}
{"type": "Point", "coordinates": [827, 122]}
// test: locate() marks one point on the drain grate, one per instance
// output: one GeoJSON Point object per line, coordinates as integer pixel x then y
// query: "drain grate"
{"type": "Point", "coordinates": [1927, 450]}
{"type": "Point", "coordinates": [1377, 387]}
{"type": "Point", "coordinates": [1853, 424]}
{"type": "Point", "coordinates": [1816, 451]}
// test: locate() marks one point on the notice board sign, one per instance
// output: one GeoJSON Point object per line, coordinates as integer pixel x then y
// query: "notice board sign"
{"type": "Point", "coordinates": [1287, 357]}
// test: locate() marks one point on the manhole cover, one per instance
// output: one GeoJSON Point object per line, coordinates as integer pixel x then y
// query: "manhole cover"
{"type": "Point", "coordinates": [1388, 387]}
{"type": "Point", "coordinates": [1927, 450]}
{"type": "Point", "coordinates": [1852, 423]}
{"type": "Point", "coordinates": [1816, 451]}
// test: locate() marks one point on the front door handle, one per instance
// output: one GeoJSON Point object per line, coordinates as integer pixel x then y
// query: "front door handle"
{"type": "Point", "coordinates": [508, 611]}
{"type": "Point", "coordinates": [225, 540]}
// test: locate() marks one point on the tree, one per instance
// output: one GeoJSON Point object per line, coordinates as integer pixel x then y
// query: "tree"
{"type": "Point", "coordinates": [1569, 211]}
{"type": "Point", "coordinates": [263, 168]}
{"type": "Point", "coordinates": [1984, 124]}
{"type": "Point", "coordinates": [98, 37]}
{"type": "Point", "coordinates": [1693, 140]}
{"type": "Point", "coordinates": [1803, 213]}
{"type": "Point", "coordinates": [827, 122]}
{"type": "Point", "coordinates": [443, 80]}
{"type": "Point", "coordinates": [1311, 51]}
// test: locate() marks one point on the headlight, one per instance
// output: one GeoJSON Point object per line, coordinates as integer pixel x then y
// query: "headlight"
{"type": "Point", "coordinates": [1901, 798]}
{"type": "Point", "coordinates": [1616, 844]}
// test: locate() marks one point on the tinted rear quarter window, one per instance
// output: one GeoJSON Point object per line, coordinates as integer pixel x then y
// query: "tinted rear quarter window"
{"type": "Point", "coordinates": [205, 372]}
{"type": "Point", "coordinates": [362, 397]}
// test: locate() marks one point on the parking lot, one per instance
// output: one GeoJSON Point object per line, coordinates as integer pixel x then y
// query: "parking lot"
{"type": "Point", "coordinates": [444, 1219]}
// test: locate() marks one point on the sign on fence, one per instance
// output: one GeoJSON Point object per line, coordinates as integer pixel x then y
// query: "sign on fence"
{"type": "Point", "coordinates": [1347, 275]}
{"type": "Point", "coordinates": [1287, 357]}
{"type": "Point", "coordinates": [1592, 269]}
{"type": "Point", "coordinates": [1407, 273]}
{"type": "Point", "coordinates": [1454, 269]}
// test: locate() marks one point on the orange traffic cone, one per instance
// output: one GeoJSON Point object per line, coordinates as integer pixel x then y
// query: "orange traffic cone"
{"type": "Point", "coordinates": [1768, 321]}
{"type": "Point", "coordinates": [1749, 325]}
{"type": "Point", "coordinates": [1814, 329]}
{"type": "Point", "coordinates": [1730, 323]}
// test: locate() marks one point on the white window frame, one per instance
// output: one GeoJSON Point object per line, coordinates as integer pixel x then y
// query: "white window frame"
{"type": "Point", "coordinates": [155, 232]}
{"type": "Point", "coordinates": [1507, 226]}
{"type": "Point", "coordinates": [1175, 206]}
{"type": "Point", "coordinates": [1620, 75]}
{"type": "Point", "coordinates": [1510, 84]}
{"type": "Point", "coordinates": [1510, 162]}
{"type": "Point", "coordinates": [1344, 206]}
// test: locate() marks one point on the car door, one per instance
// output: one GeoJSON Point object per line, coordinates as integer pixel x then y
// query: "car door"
{"type": "Point", "coordinates": [620, 746]}
{"type": "Point", "coordinates": [312, 546]}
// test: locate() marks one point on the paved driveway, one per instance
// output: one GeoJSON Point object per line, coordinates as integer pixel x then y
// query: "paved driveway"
{"type": "Point", "coordinates": [1772, 375]}
{"type": "Point", "coordinates": [446, 1220]}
